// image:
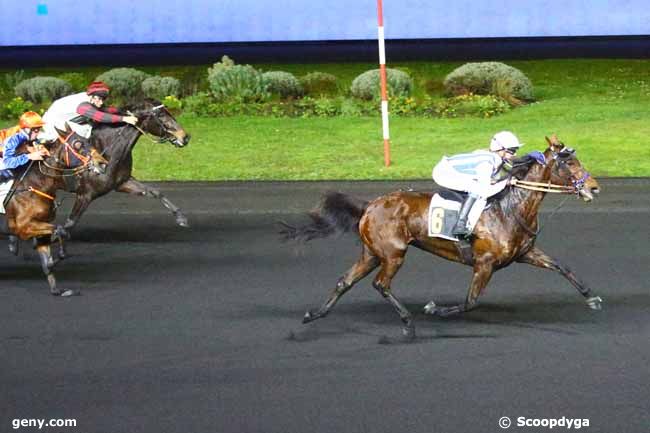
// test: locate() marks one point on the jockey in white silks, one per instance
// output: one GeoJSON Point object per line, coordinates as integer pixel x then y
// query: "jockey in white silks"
{"type": "Point", "coordinates": [81, 111]}
{"type": "Point", "coordinates": [476, 173]}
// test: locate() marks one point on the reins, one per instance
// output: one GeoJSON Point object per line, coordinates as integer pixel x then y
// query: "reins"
{"type": "Point", "coordinates": [543, 187]}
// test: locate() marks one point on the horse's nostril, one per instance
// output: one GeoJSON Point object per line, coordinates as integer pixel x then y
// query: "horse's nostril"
{"type": "Point", "coordinates": [186, 139]}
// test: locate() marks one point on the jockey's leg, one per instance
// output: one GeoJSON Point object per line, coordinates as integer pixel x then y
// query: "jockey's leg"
{"type": "Point", "coordinates": [133, 186]}
{"type": "Point", "coordinates": [461, 229]}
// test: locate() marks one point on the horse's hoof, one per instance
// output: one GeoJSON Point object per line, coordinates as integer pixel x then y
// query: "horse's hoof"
{"type": "Point", "coordinates": [182, 221]}
{"type": "Point", "coordinates": [13, 245]}
{"type": "Point", "coordinates": [430, 308]}
{"type": "Point", "coordinates": [70, 292]}
{"type": "Point", "coordinates": [308, 317]}
{"type": "Point", "coordinates": [408, 333]}
{"type": "Point", "coordinates": [595, 303]}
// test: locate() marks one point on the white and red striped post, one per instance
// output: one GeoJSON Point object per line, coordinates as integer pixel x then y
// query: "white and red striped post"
{"type": "Point", "coordinates": [382, 76]}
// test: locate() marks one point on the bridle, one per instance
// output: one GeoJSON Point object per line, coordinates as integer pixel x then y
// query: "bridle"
{"type": "Point", "coordinates": [561, 158]}
{"type": "Point", "coordinates": [69, 150]}
{"type": "Point", "coordinates": [167, 137]}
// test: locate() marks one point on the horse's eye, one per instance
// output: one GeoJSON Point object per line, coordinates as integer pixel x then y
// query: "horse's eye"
{"type": "Point", "coordinates": [77, 145]}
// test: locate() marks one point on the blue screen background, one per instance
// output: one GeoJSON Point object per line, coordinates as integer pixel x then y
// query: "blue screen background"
{"type": "Point", "coordinates": [72, 22]}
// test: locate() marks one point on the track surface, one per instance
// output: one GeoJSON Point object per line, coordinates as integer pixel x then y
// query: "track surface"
{"type": "Point", "coordinates": [198, 330]}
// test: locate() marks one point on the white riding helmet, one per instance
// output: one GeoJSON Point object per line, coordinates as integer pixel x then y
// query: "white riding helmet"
{"type": "Point", "coordinates": [504, 140]}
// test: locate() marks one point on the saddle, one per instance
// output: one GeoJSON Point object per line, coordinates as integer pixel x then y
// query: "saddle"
{"type": "Point", "coordinates": [444, 209]}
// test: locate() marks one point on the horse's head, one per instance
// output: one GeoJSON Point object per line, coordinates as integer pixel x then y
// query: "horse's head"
{"type": "Point", "coordinates": [72, 151]}
{"type": "Point", "coordinates": [568, 170]}
{"type": "Point", "coordinates": [156, 120]}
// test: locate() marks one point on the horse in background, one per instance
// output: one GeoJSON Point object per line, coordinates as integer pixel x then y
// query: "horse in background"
{"type": "Point", "coordinates": [116, 143]}
{"type": "Point", "coordinates": [31, 206]}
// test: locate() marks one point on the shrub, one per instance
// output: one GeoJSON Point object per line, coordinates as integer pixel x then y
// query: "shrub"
{"type": "Point", "coordinates": [367, 85]}
{"type": "Point", "coordinates": [284, 84]}
{"type": "Point", "coordinates": [125, 83]}
{"type": "Point", "coordinates": [241, 83]}
{"type": "Point", "coordinates": [489, 78]}
{"type": "Point", "coordinates": [319, 84]}
{"type": "Point", "coordinates": [472, 105]}
{"type": "Point", "coordinates": [77, 81]}
{"type": "Point", "coordinates": [14, 108]}
{"type": "Point", "coordinates": [197, 104]}
{"type": "Point", "coordinates": [11, 80]}
{"type": "Point", "coordinates": [39, 89]}
{"type": "Point", "coordinates": [159, 87]}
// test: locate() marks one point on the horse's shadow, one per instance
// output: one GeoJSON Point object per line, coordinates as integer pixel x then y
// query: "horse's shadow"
{"type": "Point", "coordinates": [488, 321]}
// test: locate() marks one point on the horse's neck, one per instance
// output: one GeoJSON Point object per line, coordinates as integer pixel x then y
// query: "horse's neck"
{"type": "Point", "coordinates": [117, 143]}
{"type": "Point", "coordinates": [42, 178]}
{"type": "Point", "coordinates": [528, 202]}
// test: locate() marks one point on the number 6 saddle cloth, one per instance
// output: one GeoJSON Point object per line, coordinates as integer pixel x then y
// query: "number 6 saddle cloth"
{"type": "Point", "coordinates": [443, 213]}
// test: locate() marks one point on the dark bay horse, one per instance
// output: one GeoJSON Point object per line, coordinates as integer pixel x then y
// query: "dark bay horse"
{"type": "Point", "coordinates": [505, 233]}
{"type": "Point", "coordinates": [31, 208]}
{"type": "Point", "coordinates": [116, 143]}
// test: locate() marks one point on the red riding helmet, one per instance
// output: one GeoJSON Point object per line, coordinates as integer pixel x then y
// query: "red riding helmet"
{"type": "Point", "coordinates": [30, 120]}
{"type": "Point", "coordinates": [98, 88]}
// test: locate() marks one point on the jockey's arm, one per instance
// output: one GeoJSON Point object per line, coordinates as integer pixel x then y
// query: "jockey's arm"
{"type": "Point", "coordinates": [89, 111]}
{"type": "Point", "coordinates": [485, 172]}
{"type": "Point", "coordinates": [9, 157]}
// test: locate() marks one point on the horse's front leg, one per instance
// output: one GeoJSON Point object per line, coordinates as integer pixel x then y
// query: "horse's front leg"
{"type": "Point", "coordinates": [539, 258]}
{"type": "Point", "coordinates": [43, 249]}
{"type": "Point", "coordinates": [133, 186]}
{"type": "Point", "coordinates": [13, 244]}
{"type": "Point", "coordinates": [483, 270]}
{"type": "Point", "coordinates": [81, 203]}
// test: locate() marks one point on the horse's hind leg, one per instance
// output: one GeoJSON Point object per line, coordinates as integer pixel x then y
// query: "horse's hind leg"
{"type": "Point", "coordinates": [359, 270]}
{"type": "Point", "coordinates": [483, 270]}
{"type": "Point", "coordinates": [539, 258]}
{"type": "Point", "coordinates": [133, 186]}
{"type": "Point", "coordinates": [389, 267]}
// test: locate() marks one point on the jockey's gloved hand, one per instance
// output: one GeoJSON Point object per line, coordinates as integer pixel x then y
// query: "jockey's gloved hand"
{"type": "Point", "coordinates": [538, 157]}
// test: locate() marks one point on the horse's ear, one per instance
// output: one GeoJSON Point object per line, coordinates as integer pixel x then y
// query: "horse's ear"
{"type": "Point", "coordinates": [60, 132]}
{"type": "Point", "coordinates": [68, 129]}
{"type": "Point", "coordinates": [548, 141]}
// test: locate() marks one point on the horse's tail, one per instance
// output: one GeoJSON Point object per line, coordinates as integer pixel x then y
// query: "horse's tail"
{"type": "Point", "coordinates": [337, 213]}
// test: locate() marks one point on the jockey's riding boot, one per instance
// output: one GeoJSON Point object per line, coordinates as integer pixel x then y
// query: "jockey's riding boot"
{"type": "Point", "coordinates": [460, 229]}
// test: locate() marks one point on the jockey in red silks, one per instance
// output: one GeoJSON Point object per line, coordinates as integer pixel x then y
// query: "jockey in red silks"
{"type": "Point", "coordinates": [81, 110]}
{"type": "Point", "coordinates": [477, 173]}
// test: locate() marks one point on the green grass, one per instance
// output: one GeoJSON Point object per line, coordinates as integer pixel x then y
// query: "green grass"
{"type": "Point", "coordinates": [600, 107]}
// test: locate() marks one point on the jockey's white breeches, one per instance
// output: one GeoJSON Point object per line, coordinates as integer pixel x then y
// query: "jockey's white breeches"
{"type": "Point", "coordinates": [48, 133]}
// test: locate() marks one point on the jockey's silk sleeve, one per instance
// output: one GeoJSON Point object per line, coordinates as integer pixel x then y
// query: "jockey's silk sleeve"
{"type": "Point", "coordinates": [9, 157]}
{"type": "Point", "coordinates": [89, 111]}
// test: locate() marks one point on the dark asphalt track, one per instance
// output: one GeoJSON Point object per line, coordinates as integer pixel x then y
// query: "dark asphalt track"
{"type": "Point", "coordinates": [189, 331]}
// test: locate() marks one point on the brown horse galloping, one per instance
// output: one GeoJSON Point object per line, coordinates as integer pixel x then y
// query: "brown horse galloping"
{"type": "Point", "coordinates": [31, 209]}
{"type": "Point", "coordinates": [505, 233]}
